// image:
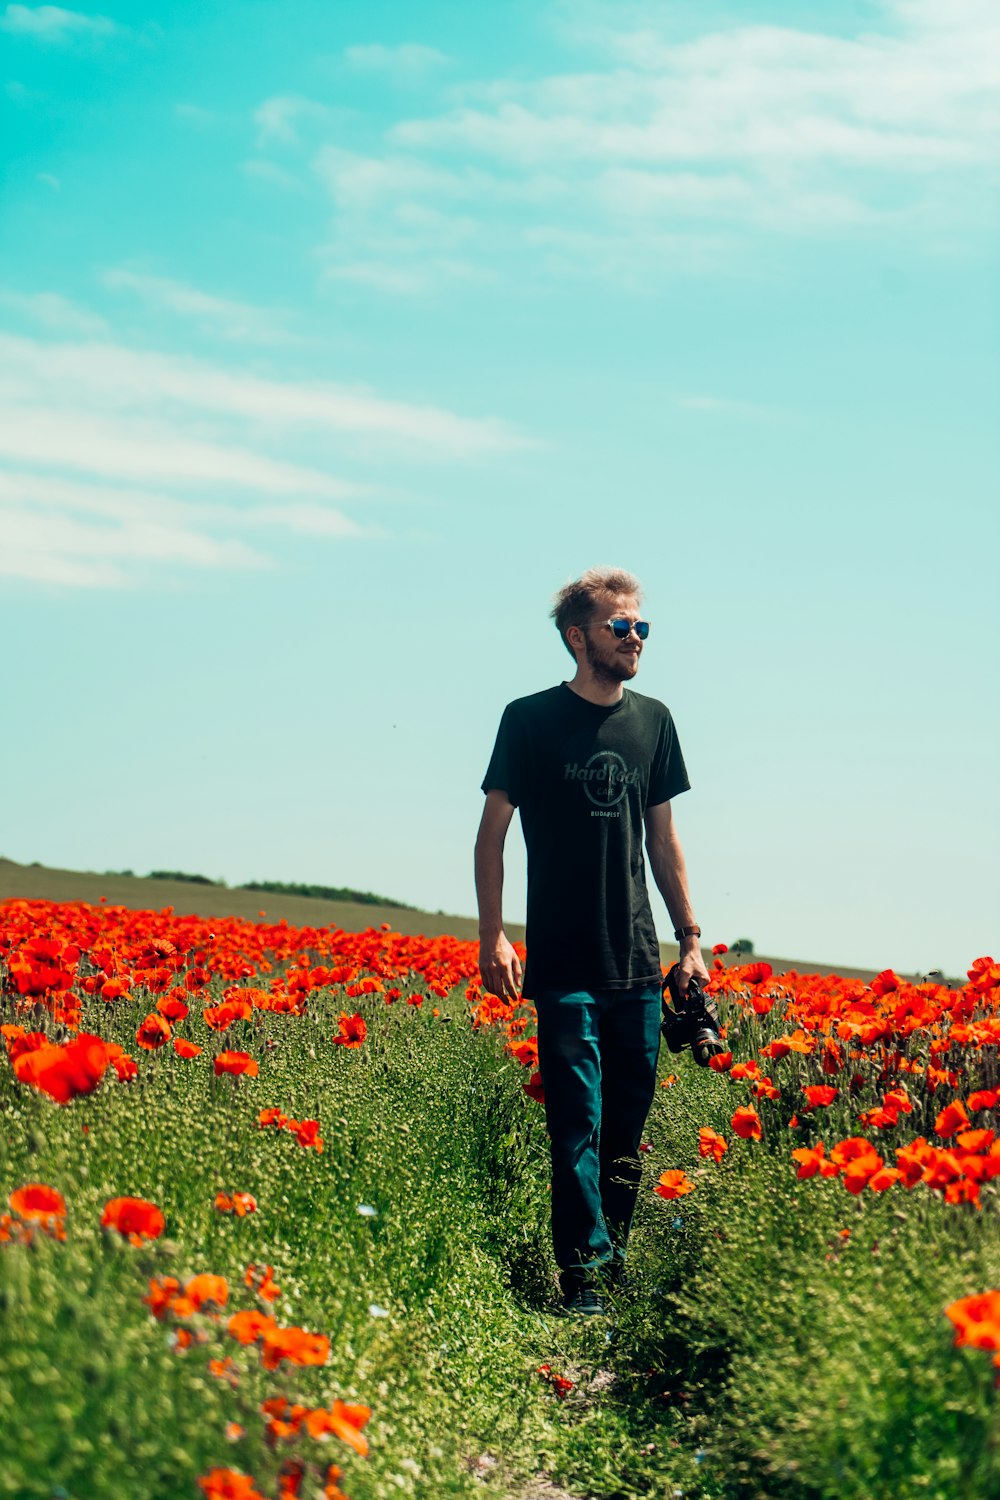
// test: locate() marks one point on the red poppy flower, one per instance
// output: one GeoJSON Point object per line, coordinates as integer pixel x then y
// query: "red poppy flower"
{"type": "Point", "coordinates": [236, 1063]}
{"type": "Point", "coordinates": [674, 1184]}
{"type": "Point", "coordinates": [184, 1048]}
{"type": "Point", "coordinates": [295, 1345]}
{"type": "Point", "coordinates": [240, 1204]}
{"type": "Point", "coordinates": [746, 1123]}
{"type": "Point", "coordinates": [344, 1421]}
{"type": "Point", "coordinates": [951, 1119]}
{"type": "Point", "coordinates": [820, 1095]}
{"type": "Point", "coordinates": [352, 1030]}
{"type": "Point", "coordinates": [249, 1326]}
{"type": "Point", "coordinates": [65, 1072]}
{"type": "Point", "coordinates": [711, 1143]}
{"type": "Point", "coordinates": [37, 1203]}
{"type": "Point", "coordinates": [721, 1062]}
{"type": "Point", "coordinates": [228, 1484]}
{"type": "Point", "coordinates": [154, 1032]}
{"type": "Point", "coordinates": [559, 1383]}
{"type": "Point", "coordinates": [534, 1088]}
{"type": "Point", "coordinates": [976, 1320]}
{"type": "Point", "coordinates": [720, 948]}
{"type": "Point", "coordinates": [133, 1217]}
{"type": "Point", "coordinates": [982, 1099]}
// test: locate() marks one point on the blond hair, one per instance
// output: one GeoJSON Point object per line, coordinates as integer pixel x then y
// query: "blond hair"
{"type": "Point", "coordinates": [575, 602]}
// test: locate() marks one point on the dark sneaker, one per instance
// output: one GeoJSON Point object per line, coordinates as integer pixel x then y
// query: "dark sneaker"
{"type": "Point", "coordinates": [585, 1302]}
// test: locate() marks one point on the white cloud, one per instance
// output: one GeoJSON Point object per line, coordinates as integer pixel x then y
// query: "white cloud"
{"type": "Point", "coordinates": [55, 312]}
{"type": "Point", "coordinates": [404, 63]}
{"type": "Point", "coordinates": [279, 118]}
{"type": "Point", "coordinates": [49, 181]}
{"type": "Point", "coordinates": [50, 23]}
{"type": "Point", "coordinates": [131, 379]}
{"type": "Point", "coordinates": [114, 459]}
{"type": "Point", "coordinates": [82, 533]}
{"type": "Point", "coordinates": [219, 315]}
{"type": "Point", "coordinates": [714, 136]}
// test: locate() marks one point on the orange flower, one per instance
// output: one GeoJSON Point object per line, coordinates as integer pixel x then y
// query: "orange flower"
{"type": "Point", "coordinates": [65, 1072]}
{"type": "Point", "coordinates": [207, 1288]}
{"type": "Point", "coordinates": [721, 1062]}
{"type": "Point", "coordinates": [982, 1099]}
{"type": "Point", "coordinates": [162, 1292]}
{"type": "Point", "coordinates": [272, 1116]}
{"type": "Point", "coordinates": [819, 1095]}
{"type": "Point", "coordinates": [224, 1369]}
{"type": "Point", "coordinates": [711, 1143]}
{"type": "Point", "coordinates": [976, 1320]}
{"type": "Point", "coordinates": [37, 1203]}
{"type": "Point", "coordinates": [228, 1484]}
{"type": "Point", "coordinates": [133, 1217]}
{"type": "Point", "coordinates": [236, 1063]}
{"type": "Point", "coordinates": [559, 1383]}
{"type": "Point", "coordinates": [343, 1421]}
{"type": "Point", "coordinates": [813, 1159]}
{"type": "Point", "coordinates": [352, 1030]}
{"type": "Point", "coordinates": [975, 1140]}
{"type": "Point", "coordinates": [249, 1326]}
{"type": "Point", "coordinates": [154, 1032]}
{"type": "Point", "coordinates": [674, 1184]}
{"type": "Point", "coordinates": [951, 1119]}
{"type": "Point", "coordinates": [749, 1069]}
{"type": "Point", "coordinates": [260, 1279]}
{"type": "Point", "coordinates": [534, 1088]}
{"type": "Point", "coordinates": [746, 1123]}
{"type": "Point", "coordinates": [239, 1204]}
{"type": "Point", "coordinates": [184, 1048]}
{"type": "Point", "coordinates": [295, 1345]}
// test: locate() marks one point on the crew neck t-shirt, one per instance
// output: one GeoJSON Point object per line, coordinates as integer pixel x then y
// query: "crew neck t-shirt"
{"type": "Point", "coordinates": [581, 776]}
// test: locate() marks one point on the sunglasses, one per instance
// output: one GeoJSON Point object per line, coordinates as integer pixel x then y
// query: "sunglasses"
{"type": "Point", "coordinates": [622, 629]}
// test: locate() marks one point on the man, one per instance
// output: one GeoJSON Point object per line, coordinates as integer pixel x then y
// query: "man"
{"type": "Point", "coordinates": [588, 765]}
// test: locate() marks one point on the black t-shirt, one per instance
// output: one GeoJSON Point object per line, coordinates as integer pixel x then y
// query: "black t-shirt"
{"type": "Point", "coordinates": [582, 777]}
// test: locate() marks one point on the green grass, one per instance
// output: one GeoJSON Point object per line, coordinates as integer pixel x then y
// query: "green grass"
{"type": "Point", "coordinates": [758, 1354]}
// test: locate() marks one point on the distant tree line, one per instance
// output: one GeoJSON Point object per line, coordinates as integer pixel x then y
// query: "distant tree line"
{"type": "Point", "coordinates": [277, 888]}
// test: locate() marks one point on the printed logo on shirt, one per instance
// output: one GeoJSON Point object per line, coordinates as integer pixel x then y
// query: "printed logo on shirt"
{"type": "Point", "coordinates": [605, 777]}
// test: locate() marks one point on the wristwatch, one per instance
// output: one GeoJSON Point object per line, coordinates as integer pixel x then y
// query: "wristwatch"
{"type": "Point", "coordinates": [683, 932]}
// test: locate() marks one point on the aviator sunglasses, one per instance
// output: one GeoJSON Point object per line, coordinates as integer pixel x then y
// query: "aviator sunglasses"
{"type": "Point", "coordinates": [621, 629]}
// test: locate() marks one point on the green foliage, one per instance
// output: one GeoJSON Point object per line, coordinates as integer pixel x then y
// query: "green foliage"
{"type": "Point", "coordinates": [324, 893]}
{"type": "Point", "coordinates": [178, 875]}
{"type": "Point", "coordinates": [759, 1353]}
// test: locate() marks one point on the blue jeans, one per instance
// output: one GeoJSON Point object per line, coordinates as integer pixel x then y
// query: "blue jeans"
{"type": "Point", "coordinates": [597, 1055]}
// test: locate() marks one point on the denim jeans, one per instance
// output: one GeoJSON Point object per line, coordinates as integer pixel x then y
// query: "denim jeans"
{"type": "Point", "coordinates": [597, 1054]}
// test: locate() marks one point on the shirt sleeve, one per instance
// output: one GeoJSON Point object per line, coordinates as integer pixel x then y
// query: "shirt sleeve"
{"type": "Point", "coordinates": [508, 767]}
{"type": "Point", "coordinates": [668, 776]}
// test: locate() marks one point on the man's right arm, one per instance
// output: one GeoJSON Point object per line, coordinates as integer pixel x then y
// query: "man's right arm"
{"type": "Point", "coordinates": [499, 965]}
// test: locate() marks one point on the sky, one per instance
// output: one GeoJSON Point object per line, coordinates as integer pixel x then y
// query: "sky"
{"type": "Point", "coordinates": [335, 338]}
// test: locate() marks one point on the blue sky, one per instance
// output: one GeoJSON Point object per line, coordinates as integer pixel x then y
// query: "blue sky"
{"type": "Point", "coordinates": [334, 339]}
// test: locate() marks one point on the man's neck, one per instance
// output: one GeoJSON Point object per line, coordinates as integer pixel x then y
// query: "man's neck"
{"type": "Point", "coordinates": [595, 689]}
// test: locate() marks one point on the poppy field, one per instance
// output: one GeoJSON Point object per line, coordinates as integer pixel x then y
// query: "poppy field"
{"type": "Point", "coordinates": [273, 1223]}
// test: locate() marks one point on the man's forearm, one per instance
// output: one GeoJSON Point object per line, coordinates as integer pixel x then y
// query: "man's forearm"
{"type": "Point", "coordinates": [489, 887]}
{"type": "Point", "coordinates": [666, 860]}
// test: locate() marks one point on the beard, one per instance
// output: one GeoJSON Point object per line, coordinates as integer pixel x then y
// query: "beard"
{"type": "Point", "coordinates": [618, 669]}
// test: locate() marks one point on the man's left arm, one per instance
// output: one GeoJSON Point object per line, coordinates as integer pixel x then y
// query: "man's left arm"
{"type": "Point", "coordinates": [666, 860]}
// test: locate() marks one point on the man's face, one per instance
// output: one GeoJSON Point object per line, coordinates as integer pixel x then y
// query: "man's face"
{"type": "Point", "coordinates": [609, 659]}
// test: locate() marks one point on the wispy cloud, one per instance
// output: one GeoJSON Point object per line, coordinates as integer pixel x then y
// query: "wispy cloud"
{"type": "Point", "coordinates": [280, 118]}
{"type": "Point", "coordinates": [114, 458]}
{"type": "Point", "coordinates": [219, 315]}
{"type": "Point", "coordinates": [665, 141]}
{"type": "Point", "coordinates": [57, 313]}
{"type": "Point", "coordinates": [50, 23]}
{"type": "Point", "coordinates": [405, 63]}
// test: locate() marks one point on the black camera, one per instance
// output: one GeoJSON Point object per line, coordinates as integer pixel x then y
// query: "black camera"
{"type": "Point", "coordinates": [690, 1019]}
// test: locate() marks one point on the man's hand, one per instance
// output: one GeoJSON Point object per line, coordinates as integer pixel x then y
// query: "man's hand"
{"type": "Point", "coordinates": [500, 968]}
{"type": "Point", "coordinates": [690, 962]}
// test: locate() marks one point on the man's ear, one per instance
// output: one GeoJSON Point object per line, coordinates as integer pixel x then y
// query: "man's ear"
{"type": "Point", "coordinates": [575, 637]}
